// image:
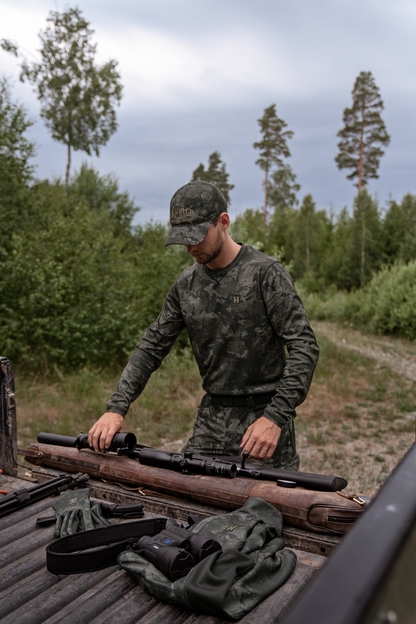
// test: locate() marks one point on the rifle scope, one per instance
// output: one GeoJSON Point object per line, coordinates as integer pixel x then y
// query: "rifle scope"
{"type": "Point", "coordinates": [186, 463]}
{"type": "Point", "coordinates": [120, 441]}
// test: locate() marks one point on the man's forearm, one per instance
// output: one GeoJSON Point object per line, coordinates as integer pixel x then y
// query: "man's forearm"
{"type": "Point", "coordinates": [295, 382]}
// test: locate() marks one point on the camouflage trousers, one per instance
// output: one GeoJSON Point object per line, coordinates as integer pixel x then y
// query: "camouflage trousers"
{"type": "Point", "coordinates": [219, 430]}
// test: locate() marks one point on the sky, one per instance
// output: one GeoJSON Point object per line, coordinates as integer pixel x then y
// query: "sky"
{"type": "Point", "coordinates": [198, 74]}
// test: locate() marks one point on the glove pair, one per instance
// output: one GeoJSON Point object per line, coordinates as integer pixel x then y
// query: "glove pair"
{"type": "Point", "coordinates": [75, 512]}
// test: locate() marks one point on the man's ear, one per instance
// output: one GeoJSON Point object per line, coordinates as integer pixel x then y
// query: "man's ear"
{"type": "Point", "coordinates": [224, 220]}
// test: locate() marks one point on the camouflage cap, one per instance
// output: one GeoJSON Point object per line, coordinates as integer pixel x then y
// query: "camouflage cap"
{"type": "Point", "coordinates": [192, 209]}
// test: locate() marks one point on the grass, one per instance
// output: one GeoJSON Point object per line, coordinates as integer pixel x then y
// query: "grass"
{"type": "Point", "coordinates": [357, 422]}
{"type": "Point", "coordinates": [70, 404]}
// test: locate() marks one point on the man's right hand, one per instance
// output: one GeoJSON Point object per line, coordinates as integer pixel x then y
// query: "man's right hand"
{"type": "Point", "coordinates": [101, 434]}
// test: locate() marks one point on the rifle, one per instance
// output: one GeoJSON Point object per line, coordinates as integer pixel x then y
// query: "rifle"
{"type": "Point", "coordinates": [189, 463]}
{"type": "Point", "coordinates": [28, 496]}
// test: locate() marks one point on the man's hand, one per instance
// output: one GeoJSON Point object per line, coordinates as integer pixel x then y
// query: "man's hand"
{"type": "Point", "coordinates": [261, 438]}
{"type": "Point", "coordinates": [101, 434]}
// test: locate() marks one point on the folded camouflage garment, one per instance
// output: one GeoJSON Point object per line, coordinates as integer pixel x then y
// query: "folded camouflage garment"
{"type": "Point", "coordinates": [252, 565]}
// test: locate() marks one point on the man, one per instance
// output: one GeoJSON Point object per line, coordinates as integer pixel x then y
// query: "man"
{"type": "Point", "coordinates": [241, 311]}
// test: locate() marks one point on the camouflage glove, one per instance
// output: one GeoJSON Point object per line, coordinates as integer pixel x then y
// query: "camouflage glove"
{"type": "Point", "coordinates": [74, 513]}
{"type": "Point", "coordinates": [98, 519]}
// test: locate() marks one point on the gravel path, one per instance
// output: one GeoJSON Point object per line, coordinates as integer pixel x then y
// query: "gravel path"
{"type": "Point", "coordinates": [399, 355]}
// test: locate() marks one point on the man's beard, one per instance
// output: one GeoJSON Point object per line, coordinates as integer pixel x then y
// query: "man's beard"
{"type": "Point", "coordinates": [206, 258]}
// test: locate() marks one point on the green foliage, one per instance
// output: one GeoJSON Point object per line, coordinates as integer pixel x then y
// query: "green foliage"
{"type": "Point", "coordinates": [15, 171]}
{"type": "Point", "coordinates": [336, 264]}
{"type": "Point", "coordinates": [363, 133]}
{"type": "Point", "coordinates": [101, 193]}
{"type": "Point", "coordinates": [78, 97]}
{"type": "Point", "coordinates": [156, 269]}
{"type": "Point", "coordinates": [283, 188]}
{"type": "Point", "coordinates": [248, 228]}
{"type": "Point", "coordinates": [333, 305]}
{"type": "Point", "coordinates": [399, 230]}
{"type": "Point", "coordinates": [392, 295]}
{"type": "Point", "coordinates": [78, 286]}
{"type": "Point", "coordinates": [216, 174]}
{"type": "Point", "coordinates": [274, 142]}
{"type": "Point", "coordinates": [308, 232]}
{"type": "Point", "coordinates": [387, 305]}
{"type": "Point", "coordinates": [67, 290]}
{"type": "Point", "coordinates": [365, 245]}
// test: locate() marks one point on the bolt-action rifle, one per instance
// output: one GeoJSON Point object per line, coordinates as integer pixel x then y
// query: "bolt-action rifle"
{"type": "Point", "coordinates": [190, 463]}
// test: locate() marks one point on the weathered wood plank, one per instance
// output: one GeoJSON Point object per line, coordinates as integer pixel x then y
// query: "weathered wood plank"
{"type": "Point", "coordinates": [25, 546]}
{"type": "Point", "coordinates": [166, 613]}
{"type": "Point", "coordinates": [18, 530]}
{"type": "Point", "coordinates": [8, 425]}
{"type": "Point", "coordinates": [128, 609]}
{"type": "Point", "coordinates": [309, 559]}
{"type": "Point", "coordinates": [56, 597]}
{"type": "Point", "coordinates": [95, 601]}
{"type": "Point", "coordinates": [22, 568]}
{"type": "Point", "coordinates": [24, 590]}
{"type": "Point", "coordinates": [319, 544]}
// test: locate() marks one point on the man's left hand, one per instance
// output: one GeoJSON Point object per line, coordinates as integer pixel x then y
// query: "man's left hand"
{"type": "Point", "coordinates": [261, 438]}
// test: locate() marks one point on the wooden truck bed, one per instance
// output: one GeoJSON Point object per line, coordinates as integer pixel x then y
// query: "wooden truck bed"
{"type": "Point", "coordinates": [29, 594]}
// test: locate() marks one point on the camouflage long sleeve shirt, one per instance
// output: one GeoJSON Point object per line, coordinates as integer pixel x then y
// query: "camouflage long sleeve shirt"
{"type": "Point", "coordinates": [239, 320]}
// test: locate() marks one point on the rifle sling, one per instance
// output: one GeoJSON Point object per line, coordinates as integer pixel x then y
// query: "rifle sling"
{"type": "Point", "coordinates": [72, 554]}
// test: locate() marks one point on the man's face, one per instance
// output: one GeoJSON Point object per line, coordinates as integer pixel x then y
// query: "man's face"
{"type": "Point", "coordinates": [210, 248]}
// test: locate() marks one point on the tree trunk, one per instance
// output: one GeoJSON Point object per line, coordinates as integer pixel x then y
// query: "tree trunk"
{"type": "Point", "coordinates": [266, 188]}
{"type": "Point", "coordinates": [68, 166]}
{"type": "Point", "coordinates": [362, 246]}
{"type": "Point", "coordinates": [360, 164]}
{"type": "Point", "coordinates": [308, 259]}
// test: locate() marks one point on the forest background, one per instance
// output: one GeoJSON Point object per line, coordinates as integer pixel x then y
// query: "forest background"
{"type": "Point", "coordinates": [79, 284]}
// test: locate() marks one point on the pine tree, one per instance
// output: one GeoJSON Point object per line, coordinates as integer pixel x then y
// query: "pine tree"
{"type": "Point", "coordinates": [364, 132]}
{"type": "Point", "coordinates": [399, 229]}
{"type": "Point", "coordinates": [216, 174]}
{"type": "Point", "coordinates": [273, 147]}
{"type": "Point", "coordinates": [366, 248]}
{"type": "Point", "coordinates": [78, 97]}
{"type": "Point", "coordinates": [283, 188]}
{"type": "Point", "coordinates": [309, 232]}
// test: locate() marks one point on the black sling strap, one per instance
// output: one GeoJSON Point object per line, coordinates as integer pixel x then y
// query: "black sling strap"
{"type": "Point", "coordinates": [66, 555]}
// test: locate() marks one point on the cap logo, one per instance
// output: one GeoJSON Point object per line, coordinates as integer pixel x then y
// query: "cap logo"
{"type": "Point", "coordinates": [182, 213]}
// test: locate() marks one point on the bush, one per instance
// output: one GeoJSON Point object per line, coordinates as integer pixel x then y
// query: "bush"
{"type": "Point", "coordinates": [387, 305]}
{"type": "Point", "coordinates": [78, 289]}
{"type": "Point", "coordinates": [392, 298]}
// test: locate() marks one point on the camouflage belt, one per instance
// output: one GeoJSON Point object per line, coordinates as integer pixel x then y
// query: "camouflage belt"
{"type": "Point", "coordinates": [242, 400]}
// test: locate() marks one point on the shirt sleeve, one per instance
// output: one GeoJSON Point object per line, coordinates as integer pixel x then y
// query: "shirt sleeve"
{"type": "Point", "coordinates": [156, 343]}
{"type": "Point", "coordinates": [288, 318]}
